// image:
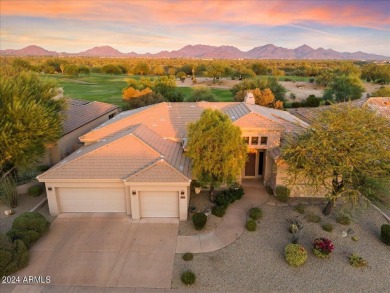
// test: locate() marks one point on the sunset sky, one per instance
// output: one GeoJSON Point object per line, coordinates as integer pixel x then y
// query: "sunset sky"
{"type": "Point", "coordinates": [152, 26]}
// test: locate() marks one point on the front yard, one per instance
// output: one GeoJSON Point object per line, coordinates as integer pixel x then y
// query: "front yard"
{"type": "Point", "coordinates": [255, 262]}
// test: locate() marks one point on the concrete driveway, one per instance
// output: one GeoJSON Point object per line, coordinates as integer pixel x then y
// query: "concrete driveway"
{"type": "Point", "coordinates": [106, 250]}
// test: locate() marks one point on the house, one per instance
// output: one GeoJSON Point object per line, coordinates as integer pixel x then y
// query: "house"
{"type": "Point", "coordinates": [135, 163]}
{"type": "Point", "coordinates": [80, 117]}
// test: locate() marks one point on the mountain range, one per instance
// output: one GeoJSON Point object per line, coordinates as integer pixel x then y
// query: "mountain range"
{"type": "Point", "coordinates": [268, 51]}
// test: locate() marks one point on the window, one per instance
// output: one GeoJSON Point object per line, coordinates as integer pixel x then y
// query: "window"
{"type": "Point", "coordinates": [111, 116]}
{"type": "Point", "coordinates": [255, 140]}
{"type": "Point", "coordinates": [264, 140]}
{"type": "Point", "coordinates": [246, 139]}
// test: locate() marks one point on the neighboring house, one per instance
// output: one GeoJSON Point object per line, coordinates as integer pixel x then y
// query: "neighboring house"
{"type": "Point", "coordinates": [135, 162]}
{"type": "Point", "coordinates": [80, 118]}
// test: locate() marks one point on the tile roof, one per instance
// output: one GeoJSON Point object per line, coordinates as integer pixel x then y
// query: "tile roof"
{"type": "Point", "coordinates": [160, 171]}
{"type": "Point", "coordinates": [309, 114]}
{"type": "Point", "coordinates": [81, 112]}
{"type": "Point", "coordinates": [381, 105]}
{"type": "Point", "coordinates": [120, 156]}
{"type": "Point", "coordinates": [254, 120]}
{"type": "Point", "coordinates": [170, 120]}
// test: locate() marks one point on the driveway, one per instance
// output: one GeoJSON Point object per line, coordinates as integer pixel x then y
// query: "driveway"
{"type": "Point", "coordinates": [106, 250]}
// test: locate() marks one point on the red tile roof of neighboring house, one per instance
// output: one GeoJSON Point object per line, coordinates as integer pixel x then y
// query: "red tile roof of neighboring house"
{"type": "Point", "coordinates": [381, 105]}
{"type": "Point", "coordinates": [81, 112]}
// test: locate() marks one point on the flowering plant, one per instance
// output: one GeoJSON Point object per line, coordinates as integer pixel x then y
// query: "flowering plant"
{"type": "Point", "coordinates": [322, 247]}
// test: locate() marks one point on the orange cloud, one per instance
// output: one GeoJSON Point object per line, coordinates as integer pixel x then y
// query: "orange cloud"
{"type": "Point", "coordinates": [204, 12]}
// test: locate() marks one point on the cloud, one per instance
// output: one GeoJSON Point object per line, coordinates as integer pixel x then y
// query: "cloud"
{"type": "Point", "coordinates": [334, 13]}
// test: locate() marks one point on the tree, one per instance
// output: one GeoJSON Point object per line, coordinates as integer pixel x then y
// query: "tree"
{"type": "Point", "coordinates": [131, 93]}
{"type": "Point", "coordinates": [30, 120]}
{"type": "Point", "coordinates": [141, 68]}
{"type": "Point", "coordinates": [264, 97]}
{"type": "Point", "coordinates": [71, 69]}
{"type": "Point", "coordinates": [383, 91]}
{"type": "Point", "coordinates": [216, 70]}
{"type": "Point", "coordinates": [324, 77]}
{"type": "Point", "coordinates": [344, 88]}
{"type": "Point", "coordinates": [201, 93]}
{"type": "Point", "coordinates": [111, 69]}
{"type": "Point", "coordinates": [342, 146]}
{"type": "Point", "coordinates": [216, 148]}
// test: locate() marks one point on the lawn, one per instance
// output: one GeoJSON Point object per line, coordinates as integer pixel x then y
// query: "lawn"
{"type": "Point", "coordinates": [108, 88]}
{"type": "Point", "coordinates": [95, 87]}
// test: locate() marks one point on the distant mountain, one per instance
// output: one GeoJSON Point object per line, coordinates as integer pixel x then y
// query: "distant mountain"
{"type": "Point", "coordinates": [268, 51]}
{"type": "Point", "coordinates": [104, 51]}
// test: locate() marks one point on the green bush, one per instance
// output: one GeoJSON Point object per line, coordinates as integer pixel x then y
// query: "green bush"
{"type": "Point", "coordinates": [188, 256]}
{"type": "Point", "coordinates": [300, 209]}
{"type": "Point", "coordinates": [327, 227]}
{"type": "Point", "coordinates": [343, 220]}
{"type": "Point", "coordinates": [35, 190]}
{"type": "Point", "coordinates": [28, 227]}
{"type": "Point", "coordinates": [13, 256]}
{"type": "Point", "coordinates": [385, 233]}
{"type": "Point", "coordinates": [269, 190]}
{"type": "Point", "coordinates": [295, 255]}
{"type": "Point", "coordinates": [255, 213]}
{"type": "Point", "coordinates": [282, 193]}
{"type": "Point", "coordinates": [357, 261]}
{"type": "Point", "coordinates": [229, 196]}
{"type": "Point", "coordinates": [313, 218]}
{"type": "Point", "coordinates": [31, 221]}
{"type": "Point", "coordinates": [199, 220]}
{"type": "Point", "coordinates": [219, 211]}
{"type": "Point", "coordinates": [188, 278]}
{"type": "Point", "coordinates": [251, 225]}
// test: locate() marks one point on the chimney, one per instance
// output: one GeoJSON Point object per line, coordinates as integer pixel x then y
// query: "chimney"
{"type": "Point", "coordinates": [249, 98]}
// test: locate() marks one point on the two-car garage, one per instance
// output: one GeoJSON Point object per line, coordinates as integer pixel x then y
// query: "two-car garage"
{"type": "Point", "coordinates": [143, 203]}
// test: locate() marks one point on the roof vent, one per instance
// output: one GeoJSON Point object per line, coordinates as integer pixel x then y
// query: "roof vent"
{"type": "Point", "coordinates": [192, 106]}
{"type": "Point", "coordinates": [184, 143]}
{"type": "Point", "coordinates": [181, 167]}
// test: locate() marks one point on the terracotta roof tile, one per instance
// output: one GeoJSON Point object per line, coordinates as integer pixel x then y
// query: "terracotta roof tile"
{"type": "Point", "coordinates": [381, 105]}
{"type": "Point", "coordinates": [81, 112]}
{"type": "Point", "coordinates": [160, 171]}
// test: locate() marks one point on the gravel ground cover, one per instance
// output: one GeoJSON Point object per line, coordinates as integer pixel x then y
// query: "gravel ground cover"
{"type": "Point", "coordinates": [201, 202]}
{"type": "Point", "coordinates": [255, 262]}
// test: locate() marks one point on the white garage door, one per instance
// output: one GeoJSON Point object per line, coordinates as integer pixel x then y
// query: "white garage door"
{"type": "Point", "coordinates": [159, 204]}
{"type": "Point", "coordinates": [92, 199]}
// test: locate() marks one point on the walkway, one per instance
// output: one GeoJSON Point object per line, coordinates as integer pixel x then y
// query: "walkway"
{"type": "Point", "coordinates": [232, 224]}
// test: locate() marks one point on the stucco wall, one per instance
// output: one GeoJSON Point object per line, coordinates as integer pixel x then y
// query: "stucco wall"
{"type": "Point", "coordinates": [297, 190]}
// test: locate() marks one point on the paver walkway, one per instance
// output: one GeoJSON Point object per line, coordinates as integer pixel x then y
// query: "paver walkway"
{"type": "Point", "coordinates": [232, 224]}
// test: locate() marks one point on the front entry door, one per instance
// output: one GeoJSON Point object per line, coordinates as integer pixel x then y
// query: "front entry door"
{"type": "Point", "coordinates": [250, 165]}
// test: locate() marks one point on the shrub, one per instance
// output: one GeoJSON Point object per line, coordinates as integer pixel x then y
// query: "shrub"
{"type": "Point", "coordinates": [322, 247]}
{"type": "Point", "coordinates": [188, 256]}
{"type": "Point", "coordinates": [28, 227]}
{"type": "Point", "coordinates": [199, 220]}
{"type": "Point", "coordinates": [269, 190]}
{"type": "Point", "coordinates": [295, 255]}
{"type": "Point", "coordinates": [300, 209]}
{"type": "Point", "coordinates": [188, 278]}
{"type": "Point", "coordinates": [313, 218]}
{"type": "Point", "coordinates": [219, 211]}
{"type": "Point", "coordinates": [385, 233]}
{"type": "Point", "coordinates": [35, 190]}
{"type": "Point", "coordinates": [343, 220]}
{"type": "Point", "coordinates": [229, 196]}
{"type": "Point", "coordinates": [255, 213]}
{"type": "Point", "coordinates": [357, 261]}
{"type": "Point", "coordinates": [13, 256]}
{"type": "Point", "coordinates": [8, 193]}
{"type": "Point", "coordinates": [311, 79]}
{"type": "Point", "coordinates": [282, 193]}
{"type": "Point", "coordinates": [251, 225]}
{"type": "Point", "coordinates": [327, 227]}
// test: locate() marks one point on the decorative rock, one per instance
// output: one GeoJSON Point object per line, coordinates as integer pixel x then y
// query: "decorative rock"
{"type": "Point", "coordinates": [350, 231]}
{"type": "Point", "coordinates": [354, 238]}
{"type": "Point", "coordinates": [344, 234]}
{"type": "Point", "coordinates": [9, 212]}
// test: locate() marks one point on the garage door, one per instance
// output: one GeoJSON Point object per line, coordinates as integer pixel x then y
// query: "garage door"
{"type": "Point", "coordinates": [92, 199]}
{"type": "Point", "coordinates": [159, 204]}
